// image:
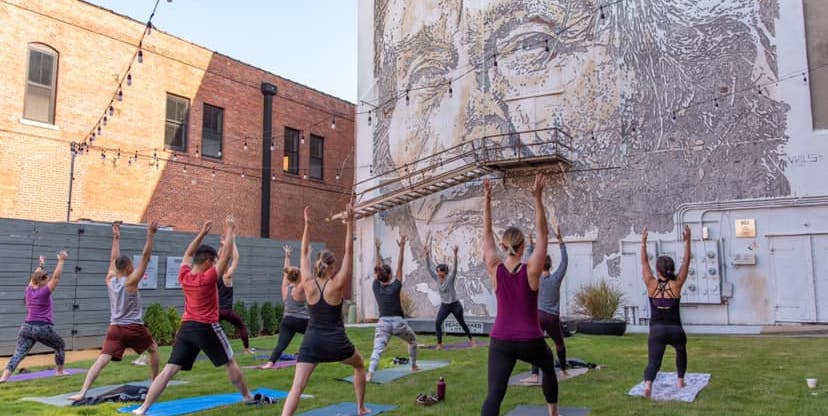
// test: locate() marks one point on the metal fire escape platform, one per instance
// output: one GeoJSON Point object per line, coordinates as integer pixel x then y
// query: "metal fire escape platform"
{"type": "Point", "coordinates": [547, 150]}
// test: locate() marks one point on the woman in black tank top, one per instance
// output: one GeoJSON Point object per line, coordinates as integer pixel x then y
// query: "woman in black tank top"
{"type": "Point", "coordinates": [325, 339]}
{"type": "Point", "coordinates": [664, 293]}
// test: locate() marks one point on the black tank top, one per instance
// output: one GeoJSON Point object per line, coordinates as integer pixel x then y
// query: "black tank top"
{"type": "Point", "coordinates": [323, 316]}
{"type": "Point", "coordinates": [225, 295]}
{"type": "Point", "coordinates": [663, 309]}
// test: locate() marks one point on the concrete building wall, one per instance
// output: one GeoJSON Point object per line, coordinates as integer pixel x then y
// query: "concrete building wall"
{"type": "Point", "coordinates": [680, 113]}
{"type": "Point", "coordinates": [95, 46]}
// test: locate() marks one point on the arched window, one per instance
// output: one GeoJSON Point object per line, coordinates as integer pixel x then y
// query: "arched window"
{"type": "Point", "coordinates": [41, 84]}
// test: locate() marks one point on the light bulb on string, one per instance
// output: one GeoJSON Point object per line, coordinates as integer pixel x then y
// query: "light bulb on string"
{"type": "Point", "coordinates": [674, 115]}
{"type": "Point", "coordinates": [118, 155]}
{"type": "Point", "coordinates": [120, 95]}
{"type": "Point", "coordinates": [92, 137]}
{"type": "Point", "coordinates": [301, 138]}
{"type": "Point", "coordinates": [273, 177]}
{"type": "Point", "coordinates": [218, 153]}
{"type": "Point", "coordinates": [272, 147]}
{"type": "Point", "coordinates": [198, 153]}
{"type": "Point", "coordinates": [149, 28]}
{"type": "Point", "coordinates": [450, 91]}
{"type": "Point", "coordinates": [369, 118]}
{"type": "Point", "coordinates": [99, 130]}
{"type": "Point", "coordinates": [495, 60]}
{"type": "Point", "coordinates": [602, 13]}
{"type": "Point", "coordinates": [103, 155]}
{"type": "Point", "coordinates": [129, 80]}
{"type": "Point", "coordinates": [337, 176]}
{"type": "Point", "coordinates": [407, 100]}
{"type": "Point", "coordinates": [245, 144]}
{"type": "Point", "coordinates": [104, 120]}
{"type": "Point", "coordinates": [175, 157]}
{"type": "Point", "coordinates": [716, 102]}
{"type": "Point", "coordinates": [185, 168]}
{"type": "Point", "coordinates": [111, 110]}
{"type": "Point", "coordinates": [140, 56]}
{"type": "Point", "coordinates": [242, 174]}
{"type": "Point", "coordinates": [333, 123]}
{"type": "Point", "coordinates": [305, 176]}
{"type": "Point", "coordinates": [804, 78]}
{"type": "Point", "coordinates": [546, 45]}
{"type": "Point", "coordinates": [213, 173]}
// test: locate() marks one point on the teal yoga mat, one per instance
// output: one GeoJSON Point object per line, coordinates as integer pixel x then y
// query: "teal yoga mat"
{"type": "Point", "coordinates": [198, 404]}
{"type": "Point", "coordinates": [62, 400]}
{"type": "Point", "coordinates": [348, 409]}
{"type": "Point", "coordinates": [390, 374]}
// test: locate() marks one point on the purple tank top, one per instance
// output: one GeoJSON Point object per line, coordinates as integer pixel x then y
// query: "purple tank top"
{"type": "Point", "coordinates": [517, 307]}
{"type": "Point", "coordinates": [39, 304]}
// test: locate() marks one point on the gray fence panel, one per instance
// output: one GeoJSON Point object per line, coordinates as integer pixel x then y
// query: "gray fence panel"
{"type": "Point", "coordinates": [81, 303]}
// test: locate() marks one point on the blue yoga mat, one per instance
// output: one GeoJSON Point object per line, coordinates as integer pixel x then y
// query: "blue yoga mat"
{"type": "Point", "coordinates": [390, 374]}
{"type": "Point", "coordinates": [198, 404]}
{"type": "Point", "coordinates": [348, 409]}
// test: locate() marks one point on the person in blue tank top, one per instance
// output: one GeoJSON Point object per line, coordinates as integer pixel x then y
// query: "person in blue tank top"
{"type": "Point", "coordinates": [664, 293]}
{"type": "Point", "coordinates": [325, 339]}
{"type": "Point", "coordinates": [126, 329]}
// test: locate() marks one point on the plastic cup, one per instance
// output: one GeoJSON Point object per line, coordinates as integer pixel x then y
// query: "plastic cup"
{"type": "Point", "coordinates": [812, 383]}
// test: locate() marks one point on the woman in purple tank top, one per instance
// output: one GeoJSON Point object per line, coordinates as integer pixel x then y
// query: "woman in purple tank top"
{"type": "Point", "coordinates": [38, 326]}
{"type": "Point", "coordinates": [516, 334]}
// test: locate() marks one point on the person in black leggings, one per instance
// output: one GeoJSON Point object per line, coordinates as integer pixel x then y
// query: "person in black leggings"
{"type": "Point", "coordinates": [295, 316]}
{"type": "Point", "coordinates": [450, 304]}
{"type": "Point", "coordinates": [665, 319]}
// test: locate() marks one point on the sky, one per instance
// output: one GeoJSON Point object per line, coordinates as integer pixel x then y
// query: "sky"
{"type": "Point", "coordinates": [310, 42]}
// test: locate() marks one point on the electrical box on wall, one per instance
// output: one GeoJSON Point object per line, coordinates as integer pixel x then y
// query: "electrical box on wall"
{"type": "Point", "coordinates": [743, 259]}
{"type": "Point", "coordinates": [703, 285]}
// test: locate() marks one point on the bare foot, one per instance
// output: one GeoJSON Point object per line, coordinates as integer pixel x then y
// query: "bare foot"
{"type": "Point", "coordinates": [533, 379]}
{"type": "Point", "coordinates": [364, 411]}
{"type": "Point", "coordinates": [415, 367]}
{"type": "Point", "coordinates": [648, 388]}
{"type": "Point", "coordinates": [439, 347]}
{"type": "Point", "coordinates": [139, 411]}
{"type": "Point", "coordinates": [61, 373]}
{"type": "Point", "coordinates": [564, 373]}
{"type": "Point", "coordinates": [76, 397]}
{"type": "Point", "coordinates": [266, 365]}
{"type": "Point", "coordinates": [247, 351]}
{"type": "Point", "coordinates": [681, 383]}
{"type": "Point", "coordinates": [368, 376]}
{"type": "Point", "coordinates": [472, 343]}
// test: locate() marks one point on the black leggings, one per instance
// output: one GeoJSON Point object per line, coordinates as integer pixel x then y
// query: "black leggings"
{"type": "Point", "coordinates": [287, 329]}
{"type": "Point", "coordinates": [455, 308]}
{"type": "Point", "coordinates": [502, 358]}
{"type": "Point", "coordinates": [551, 324]}
{"type": "Point", "coordinates": [660, 337]}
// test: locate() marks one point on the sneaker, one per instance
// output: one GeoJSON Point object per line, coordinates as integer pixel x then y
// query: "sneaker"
{"type": "Point", "coordinates": [425, 399]}
{"type": "Point", "coordinates": [141, 360]}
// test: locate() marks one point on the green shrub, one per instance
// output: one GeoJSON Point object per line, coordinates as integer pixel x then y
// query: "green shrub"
{"type": "Point", "coordinates": [158, 322]}
{"type": "Point", "coordinates": [254, 320]}
{"type": "Point", "coordinates": [598, 301]}
{"type": "Point", "coordinates": [175, 319]}
{"type": "Point", "coordinates": [278, 310]}
{"type": "Point", "coordinates": [270, 323]}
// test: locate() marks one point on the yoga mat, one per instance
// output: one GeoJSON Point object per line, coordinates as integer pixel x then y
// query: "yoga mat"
{"type": "Point", "coordinates": [62, 400]}
{"type": "Point", "coordinates": [277, 365]}
{"type": "Point", "coordinates": [573, 372]}
{"type": "Point", "coordinates": [390, 374]}
{"type": "Point", "coordinates": [283, 357]}
{"type": "Point", "coordinates": [348, 409]}
{"type": "Point", "coordinates": [45, 373]}
{"type": "Point", "coordinates": [524, 410]}
{"type": "Point", "coordinates": [665, 387]}
{"type": "Point", "coordinates": [457, 346]}
{"type": "Point", "coordinates": [198, 404]}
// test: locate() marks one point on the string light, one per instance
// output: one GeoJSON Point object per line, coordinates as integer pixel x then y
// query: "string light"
{"type": "Point", "coordinates": [140, 56]}
{"type": "Point", "coordinates": [369, 118]}
{"type": "Point", "coordinates": [337, 176]}
{"type": "Point", "coordinates": [450, 90]}
{"type": "Point", "coordinates": [185, 168]}
{"type": "Point", "coordinates": [198, 153]}
{"type": "Point", "coordinates": [242, 174]}
{"type": "Point", "coordinates": [217, 153]}
{"type": "Point", "coordinates": [546, 45]}
{"type": "Point", "coordinates": [407, 100]}
{"type": "Point", "coordinates": [99, 130]}
{"type": "Point", "coordinates": [272, 147]}
{"type": "Point", "coordinates": [104, 120]}
{"type": "Point", "coordinates": [305, 176]}
{"type": "Point", "coordinates": [674, 115]}
{"type": "Point", "coordinates": [129, 80]}
{"type": "Point", "coordinates": [804, 78]}
{"type": "Point", "coordinates": [301, 138]}
{"type": "Point", "coordinates": [103, 155]}
{"type": "Point", "coordinates": [333, 124]}
{"type": "Point", "coordinates": [602, 13]}
{"type": "Point", "coordinates": [273, 177]}
{"type": "Point", "coordinates": [120, 95]}
{"type": "Point", "coordinates": [716, 101]}
{"type": "Point", "coordinates": [111, 110]}
{"type": "Point", "coordinates": [495, 60]}
{"type": "Point", "coordinates": [175, 157]}
{"type": "Point", "coordinates": [245, 144]}
{"type": "Point", "coordinates": [149, 28]}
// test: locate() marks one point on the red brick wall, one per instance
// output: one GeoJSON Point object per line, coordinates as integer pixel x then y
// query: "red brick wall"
{"type": "Point", "coordinates": [95, 47]}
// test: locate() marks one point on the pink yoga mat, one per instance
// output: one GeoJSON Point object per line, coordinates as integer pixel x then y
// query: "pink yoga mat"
{"type": "Point", "coordinates": [45, 373]}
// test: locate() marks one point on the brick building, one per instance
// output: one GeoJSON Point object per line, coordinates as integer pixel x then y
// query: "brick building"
{"type": "Point", "coordinates": [184, 145]}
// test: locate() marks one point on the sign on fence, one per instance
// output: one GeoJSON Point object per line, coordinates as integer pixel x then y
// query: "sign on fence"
{"type": "Point", "coordinates": [150, 279]}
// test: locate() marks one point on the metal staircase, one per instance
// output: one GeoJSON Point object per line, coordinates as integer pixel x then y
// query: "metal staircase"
{"type": "Point", "coordinates": [509, 154]}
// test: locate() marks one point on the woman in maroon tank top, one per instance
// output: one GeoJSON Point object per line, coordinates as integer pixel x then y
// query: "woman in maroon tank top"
{"type": "Point", "coordinates": [516, 334]}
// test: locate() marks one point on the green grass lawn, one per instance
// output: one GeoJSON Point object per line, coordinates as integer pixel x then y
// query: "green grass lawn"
{"type": "Point", "coordinates": [750, 375]}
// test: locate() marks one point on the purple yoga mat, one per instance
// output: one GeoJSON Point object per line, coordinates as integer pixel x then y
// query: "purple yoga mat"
{"type": "Point", "coordinates": [45, 373]}
{"type": "Point", "coordinates": [278, 365]}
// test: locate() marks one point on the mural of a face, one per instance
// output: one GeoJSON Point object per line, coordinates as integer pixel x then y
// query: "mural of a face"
{"type": "Point", "coordinates": [613, 83]}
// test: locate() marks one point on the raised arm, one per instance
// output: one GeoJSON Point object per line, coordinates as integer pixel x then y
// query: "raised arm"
{"type": "Point", "coordinates": [285, 284]}
{"type": "Point", "coordinates": [138, 273]}
{"type": "Point", "coordinates": [305, 261]}
{"type": "Point", "coordinates": [560, 271]}
{"type": "Point", "coordinates": [377, 255]}
{"type": "Point", "coordinates": [345, 273]}
{"type": "Point", "coordinates": [401, 243]}
{"type": "Point", "coordinates": [646, 271]}
{"type": "Point", "coordinates": [489, 250]}
{"type": "Point", "coordinates": [116, 248]}
{"type": "Point", "coordinates": [229, 241]}
{"type": "Point", "coordinates": [61, 259]}
{"type": "Point", "coordinates": [685, 262]}
{"type": "Point", "coordinates": [453, 274]}
{"type": "Point", "coordinates": [191, 249]}
{"type": "Point", "coordinates": [234, 264]}
{"type": "Point", "coordinates": [538, 257]}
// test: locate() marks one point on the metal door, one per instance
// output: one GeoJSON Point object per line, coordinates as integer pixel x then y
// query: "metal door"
{"type": "Point", "coordinates": [793, 278]}
{"type": "Point", "coordinates": [820, 245]}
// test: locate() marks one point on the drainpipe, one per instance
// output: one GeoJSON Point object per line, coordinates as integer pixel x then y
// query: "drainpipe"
{"type": "Point", "coordinates": [268, 91]}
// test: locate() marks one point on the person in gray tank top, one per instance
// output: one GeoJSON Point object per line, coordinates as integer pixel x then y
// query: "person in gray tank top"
{"type": "Point", "coordinates": [450, 304]}
{"type": "Point", "coordinates": [126, 328]}
{"type": "Point", "coordinates": [295, 315]}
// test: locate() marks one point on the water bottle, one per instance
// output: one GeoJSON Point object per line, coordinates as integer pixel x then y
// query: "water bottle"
{"type": "Point", "coordinates": [441, 389]}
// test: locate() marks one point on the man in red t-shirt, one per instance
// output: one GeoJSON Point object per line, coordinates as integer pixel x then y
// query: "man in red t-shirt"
{"type": "Point", "coordinates": [200, 329]}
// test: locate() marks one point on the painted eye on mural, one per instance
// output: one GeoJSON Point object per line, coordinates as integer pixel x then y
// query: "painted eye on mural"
{"type": "Point", "coordinates": [527, 52]}
{"type": "Point", "coordinates": [427, 72]}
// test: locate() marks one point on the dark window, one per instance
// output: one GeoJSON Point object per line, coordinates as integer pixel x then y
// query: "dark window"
{"type": "Point", "coordinates": [211, 134]}
{"type": "Point", "coordinates": [39, 103]}
{"type": "Point", "coordinates": [317, 153]}
{"type": "Point", "coordinates": [175, 132]}
{"type": "Point", "coordinates": [816, 15]}
{"type": "Point", "coordinates": [290, 164]}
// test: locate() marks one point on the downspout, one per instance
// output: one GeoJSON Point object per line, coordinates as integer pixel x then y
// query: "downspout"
{"type": "Point", "coordinates": [268, 91]}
